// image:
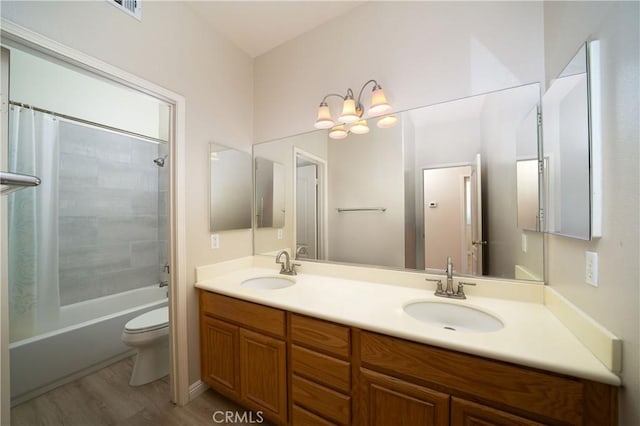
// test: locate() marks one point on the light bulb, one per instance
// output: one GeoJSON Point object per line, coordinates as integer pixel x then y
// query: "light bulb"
{"type": "Point", "coordinates": [338, 132]}
{"type": "Point", "coordinates": [324, 120]}
{"type": "Point", "coordinates": [360, 127]}
{"type": "Point", "coordinates": [387, 121]}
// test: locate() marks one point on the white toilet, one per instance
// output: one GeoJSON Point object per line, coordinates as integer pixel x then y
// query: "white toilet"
{"type": "Point", "coordinates": [149, 334]}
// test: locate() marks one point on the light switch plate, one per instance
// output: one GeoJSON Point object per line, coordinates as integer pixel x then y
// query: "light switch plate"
{"type": "Point", "coordinates": [591, 268]}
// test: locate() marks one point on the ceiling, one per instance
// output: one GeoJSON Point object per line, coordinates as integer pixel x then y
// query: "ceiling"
{"type": "Point", "coordinates": [258, 26]}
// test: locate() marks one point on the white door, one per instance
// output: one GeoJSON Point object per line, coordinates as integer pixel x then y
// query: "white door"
{"type": "Point", "coordinates": [477, 243]}
{"type": "Point", "coordinates": [445, 224]}
{"type": "Point", "coordinates": [307, 212]}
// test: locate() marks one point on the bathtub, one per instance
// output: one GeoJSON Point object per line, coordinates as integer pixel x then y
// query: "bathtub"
{"type": "Point", "coordinates": [87, 338]}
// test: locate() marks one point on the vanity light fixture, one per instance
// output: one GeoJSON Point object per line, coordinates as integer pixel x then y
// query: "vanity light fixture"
{"type": "Point", "coordinates": [387, 121]}
{"type": "Point", "coordinates": [338, 132]}
{"type": "Point", "coordinates": [353, 111]}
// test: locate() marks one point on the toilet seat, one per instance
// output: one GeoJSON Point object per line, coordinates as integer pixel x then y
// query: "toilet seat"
{"type": "Point", "coordinates": [149, 321]}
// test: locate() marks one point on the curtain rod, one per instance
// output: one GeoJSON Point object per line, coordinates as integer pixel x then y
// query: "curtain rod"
{"type": "Point", "coordinates": [89, 123]}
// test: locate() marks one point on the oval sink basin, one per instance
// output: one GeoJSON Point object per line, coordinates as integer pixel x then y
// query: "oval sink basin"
{"type": "Point", "coordinates": [268, 283]}
{"type": "Point", "coordinates": [454, 317]}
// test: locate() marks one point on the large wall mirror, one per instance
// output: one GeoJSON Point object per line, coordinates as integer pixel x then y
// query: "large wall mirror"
{"type": "Point", "coordinates": [230, 189]}
{"type": "Point", "coordinates": [443, 182]}
{"type": "Point", "coordinates": [571, 149]}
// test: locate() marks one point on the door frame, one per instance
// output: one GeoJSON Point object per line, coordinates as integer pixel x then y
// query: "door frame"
{"type": "Point", "coordinates": [178, 330]}
{"type": "Point", "coordinates": [323, 229]}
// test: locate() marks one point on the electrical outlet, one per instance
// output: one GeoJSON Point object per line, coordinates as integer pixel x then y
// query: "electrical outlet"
{"type": "Point", "coordinates": [591, 270]}
{"type": "Point", "coordinates": [280, 233]}
{"type": "Point", "coordinates": [215, 241]}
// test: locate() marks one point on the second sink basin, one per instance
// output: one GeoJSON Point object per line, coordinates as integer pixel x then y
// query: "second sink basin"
{"type": "Point", "coordinates": [453, 317]}
{"type": "Point", "coordinates": [268, 283]}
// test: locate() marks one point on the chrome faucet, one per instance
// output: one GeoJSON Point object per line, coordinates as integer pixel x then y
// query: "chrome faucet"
{"type": "Point", "coordinates": [286, 267]}
{"type": "Point", "coordinates": [448, 291]}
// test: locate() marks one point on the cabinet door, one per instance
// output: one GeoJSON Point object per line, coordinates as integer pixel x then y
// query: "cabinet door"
{"type": "Point", "coordinates": [263, 374]}
{"type": "Point", "coordinates": [467, 413]}
{"type": "Point", "coordinates": [390, 401]}
{"type": "Point", "coordinates": [219, 356]}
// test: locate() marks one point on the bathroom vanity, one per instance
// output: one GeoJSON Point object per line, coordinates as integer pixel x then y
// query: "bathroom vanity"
{"type": "Point", "coordinates": [278, 352]}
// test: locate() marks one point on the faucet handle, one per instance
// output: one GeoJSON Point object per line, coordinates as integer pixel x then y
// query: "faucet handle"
{"type": "Point", "coordinates": [438, 282]}
{"type": "Point", "coordinates": [293, 268]}
{"type": "Point", "coordinates": [461, 285]}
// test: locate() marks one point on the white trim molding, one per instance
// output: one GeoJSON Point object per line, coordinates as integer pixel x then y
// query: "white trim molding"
{"type": "Point", "coordinates": [11, 32]}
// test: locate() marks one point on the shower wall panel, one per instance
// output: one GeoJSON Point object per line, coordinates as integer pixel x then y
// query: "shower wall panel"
{"type": "Point", "coordinates": [110, 213]}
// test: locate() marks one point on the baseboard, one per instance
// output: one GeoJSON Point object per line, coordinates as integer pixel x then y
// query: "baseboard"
{"type": "Point", "coordinates": [196, 389]}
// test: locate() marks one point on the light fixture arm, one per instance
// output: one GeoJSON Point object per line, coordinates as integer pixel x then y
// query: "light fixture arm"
{"type": "Point", "coordinates": [324, 100]}
{"type": "Point", "coordinates": [376, 85]}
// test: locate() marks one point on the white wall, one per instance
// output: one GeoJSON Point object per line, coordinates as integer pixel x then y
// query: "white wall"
{"type": "Point", "coordinates": [420, 52]}
{"type": "Point", "coordinates": [41, 83]}
{"type": "Point", "coordinates": [174, 48]}
{"type": "Point", "coordinates": [615, 303]}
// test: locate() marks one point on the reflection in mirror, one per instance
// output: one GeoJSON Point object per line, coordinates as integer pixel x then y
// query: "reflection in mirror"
{"type": "Point", "coordinates": [528, 173]}
{"type": "Point", "coordinates": [527, 193]}
{"type": "Point", "coordinates": [270, 198]}
{"type": "Point", "coordinates": [230, 189]}
{"type": "Point", "coordinates": [567, 151]}
{"type": "Point", "coordinates": [440, 183]}
{"type": "Point", "coordinates": [310, 183]}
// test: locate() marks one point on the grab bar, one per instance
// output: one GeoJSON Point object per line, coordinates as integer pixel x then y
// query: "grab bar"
{"type": "Point", "coordinates": [17, 181]}
{"type": "Point", "coordinates": [362, 209]}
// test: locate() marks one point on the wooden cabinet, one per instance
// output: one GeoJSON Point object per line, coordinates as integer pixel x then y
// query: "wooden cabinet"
{"type": "Point", "coordinates": [320, 371]}
{"type": "Point", "coordinates": [222, 370]}
{"type": "Point", "coordinates": [389, 401]}
{"type": "Point", "coordinates": [467, 413]}
{"type": "Point", "coordinates": [243, 353]}
{"type": "Point", "coordinates": [263, 373]}
{"type": "Point", "coordinates": [304, 371]}
{"type": "Point", "coordinates": [526, 393]}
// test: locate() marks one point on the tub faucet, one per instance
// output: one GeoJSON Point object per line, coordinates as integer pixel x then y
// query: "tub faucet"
{"type": "Point", "coordinates": [286, 267]}
{"type": "Point", "coordinates": [163, 284]}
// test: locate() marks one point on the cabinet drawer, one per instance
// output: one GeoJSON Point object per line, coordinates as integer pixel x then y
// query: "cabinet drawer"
{"type": "Point", "coordinates": [249, 314]}
{"type": "Point", "coordinates": [522, 388]}
{"type": "Point", "coordinates": [324, 401]}
{"type": "Point", "coordinates": [302, 417]}
{"type": "Point", "coordinates": [469, 413]}
{"type": "Point", "coordinates": [321, 368]}
{"type": "Point", "coordinates": [321, 335]}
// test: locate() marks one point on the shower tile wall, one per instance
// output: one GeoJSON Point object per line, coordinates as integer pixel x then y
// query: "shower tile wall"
{"type": "Point", "coordinates": [111, 213]}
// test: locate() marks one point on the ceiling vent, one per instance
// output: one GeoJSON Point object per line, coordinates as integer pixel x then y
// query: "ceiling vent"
{"type": "Point", "coordinates": [130, 7]}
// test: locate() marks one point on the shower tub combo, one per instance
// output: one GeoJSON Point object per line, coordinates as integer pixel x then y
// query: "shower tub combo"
{"type": "Point", "coordinates": [88, 338]}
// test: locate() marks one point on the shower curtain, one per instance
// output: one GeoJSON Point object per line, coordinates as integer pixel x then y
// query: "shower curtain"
{"type": "Point", "coordinates": [34, 298]}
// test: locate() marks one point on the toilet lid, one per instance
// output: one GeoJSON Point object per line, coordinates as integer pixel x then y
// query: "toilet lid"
{"type": "Point", "coordinates": [151, 320]}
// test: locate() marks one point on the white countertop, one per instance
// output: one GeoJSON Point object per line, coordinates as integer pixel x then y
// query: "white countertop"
{"type": "Point", "coordinates": [532, 336]}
